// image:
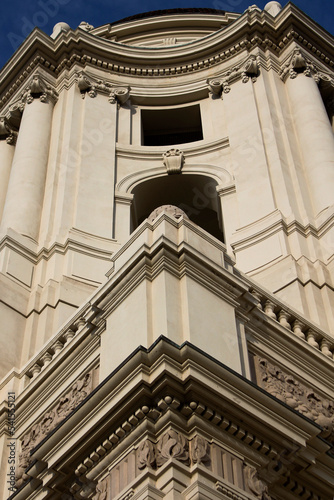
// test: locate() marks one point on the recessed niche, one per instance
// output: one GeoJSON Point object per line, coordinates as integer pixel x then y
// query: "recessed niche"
{"type": "Point", "coordinates": [166, 127]}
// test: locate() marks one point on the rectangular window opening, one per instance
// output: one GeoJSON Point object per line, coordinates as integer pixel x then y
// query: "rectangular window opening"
{"type": "Point", "coordinates": [166, 127]}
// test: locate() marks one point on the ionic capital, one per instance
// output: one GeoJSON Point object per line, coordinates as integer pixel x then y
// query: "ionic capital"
{"type": "Point", "coordinates": [6, 132]}
{"type": "Point", "coordinates": [245, 71]}
{"type": "Point", "coordinates": [119, 94]}
{"type": "Point", "coordinates": [297, 63]}
{"type": "Point", "coordinates": [92, 86]}
{"type": "Point", "coordinates": [38, 88]}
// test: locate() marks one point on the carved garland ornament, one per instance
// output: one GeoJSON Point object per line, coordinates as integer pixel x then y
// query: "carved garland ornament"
{"type": "Point", "coordinates": [66, 404]}
{"type": "Point", "coordinates": [289, 390]}
{"type": "Point", "coordinates": [246, 71]}
{"type": "Point", "coordinates": [92, 86]}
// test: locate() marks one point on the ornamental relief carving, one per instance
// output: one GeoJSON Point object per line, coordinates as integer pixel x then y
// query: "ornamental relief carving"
{"type": "Point", "coordinates": [303, 399]}
{"type": "Point", "coordinates": [39, 88]}
{"type": "Point", "coordinates": [256, 485]}
{"type": "Point", "coordinates": [300, 63]}
{"type": "Point", "coordinates": [248, 70]}
{"type": "Point", "coordinates": [173, 160]}
{"type": "Point", "coordinates": [66, 404]}
{"type": "Point", "coordinates": [173, 445]}
{"type": "Point", "coordinates": [91, 86]}
{"type": "Point", "coordinates": [102, 489]}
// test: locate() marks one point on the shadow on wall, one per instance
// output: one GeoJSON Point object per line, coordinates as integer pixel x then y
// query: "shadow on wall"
{"type": "Point", "coordinates": [196, 195]}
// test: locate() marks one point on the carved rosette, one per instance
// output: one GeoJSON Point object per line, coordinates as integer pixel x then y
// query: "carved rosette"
{"type": "Point", "coordinates": [289, 390]}
{"type": "Point", "coordinates": [78, 392]}
{"type": "Point", "coordinates": [173, 160]}
{"type": "Point", "coordinates": [172, 445]}
{"type": "Point", "coordinates": [39, 89]}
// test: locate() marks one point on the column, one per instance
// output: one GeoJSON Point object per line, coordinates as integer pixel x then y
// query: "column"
{"type": "Point", "coordinates": [315, 138]}
{"type": "Point", "coordinates": [22, 211]}
{"type": "Point", "coordinates": [7, 142]}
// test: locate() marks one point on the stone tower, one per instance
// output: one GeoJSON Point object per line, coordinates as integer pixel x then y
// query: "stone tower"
{"type": "Point", "coordinates": [166, 259]}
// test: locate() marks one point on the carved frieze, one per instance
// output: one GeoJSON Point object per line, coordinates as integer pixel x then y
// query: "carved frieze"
{"type": "Point", "coordinates": [78, 392]}
{"type": "Point", "coordinates": [173, 160]}
{"type": "Point", "coordinates": [286, 388]}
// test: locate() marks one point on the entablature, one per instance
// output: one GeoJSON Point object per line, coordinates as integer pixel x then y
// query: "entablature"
{"type": "Point", "coordinates": [253, 29]}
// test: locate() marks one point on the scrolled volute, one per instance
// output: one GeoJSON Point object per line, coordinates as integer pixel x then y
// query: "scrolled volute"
{"type": "Point", "coordinates": [38, 88]}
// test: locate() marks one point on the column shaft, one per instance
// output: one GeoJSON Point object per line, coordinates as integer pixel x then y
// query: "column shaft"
{"type": "Point", "coordinates": [22, 211]}
{"type": "Point", "coordinates": [6, 158]}
{"type": "Point", "coordinates": [315, 137]}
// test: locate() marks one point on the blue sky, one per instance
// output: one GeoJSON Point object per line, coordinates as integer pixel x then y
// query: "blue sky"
{"type": "Point", "coordinates": [19, 17]}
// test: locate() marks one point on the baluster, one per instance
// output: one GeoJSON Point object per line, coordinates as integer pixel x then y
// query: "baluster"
{"type": "Point", "coordinates": [283, 319]}
{"type": "Point", "coordinates": [46, 359]}
{"type": "Point", "coordinates": [258, 297]}
{"type": "Point", "coordinates": [269, 309]}
{"type": "Point", "coordinates": [57, 347]}
{"type": "Point", "coordinates": [325, 348]}
{"type": "Point", "coordinates": [68, 336]}
{"type": "Point", "coordinates": [297, 329]}
{"type": "Point", "coordinates": [35, 370]}
{"type": "Point", "coordinates": [311, 339]}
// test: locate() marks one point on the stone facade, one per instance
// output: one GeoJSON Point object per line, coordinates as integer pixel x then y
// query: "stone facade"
{"type": "Point", "coordinates": [166, 259]}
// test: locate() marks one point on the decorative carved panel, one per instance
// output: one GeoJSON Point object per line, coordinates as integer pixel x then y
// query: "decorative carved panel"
{"type": "Point", "coordinates": [78, 392]}
{"type": "Point", "coordinates": [288, 389]}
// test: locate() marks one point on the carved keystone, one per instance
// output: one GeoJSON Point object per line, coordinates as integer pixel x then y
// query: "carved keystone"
{"type": "Point", "coordinates": [173, 160]}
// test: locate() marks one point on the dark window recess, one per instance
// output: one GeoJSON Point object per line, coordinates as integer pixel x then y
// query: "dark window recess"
{"type": "Point", "coordinates": [165, 127]}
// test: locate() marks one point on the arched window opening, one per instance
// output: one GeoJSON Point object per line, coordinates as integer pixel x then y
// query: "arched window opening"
{"type": "Point", "coordinates": [196, 195]}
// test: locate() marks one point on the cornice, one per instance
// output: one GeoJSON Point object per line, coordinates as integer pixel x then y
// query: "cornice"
{"type": "Point", "coordinates": [254, 28]}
